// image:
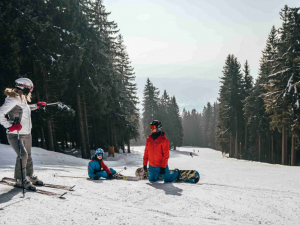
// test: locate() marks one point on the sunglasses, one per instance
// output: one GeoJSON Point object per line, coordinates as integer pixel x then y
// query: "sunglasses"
{"type": "Point", "coordinates": [152, 127]}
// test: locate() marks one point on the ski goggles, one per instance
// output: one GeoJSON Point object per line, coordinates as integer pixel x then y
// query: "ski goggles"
{"type": "Point", "coordinates": [22, 86]}
{"type": "Point", "coordinates": [152, 127]}
{"type": "Point", "coordinates": [100, 154]}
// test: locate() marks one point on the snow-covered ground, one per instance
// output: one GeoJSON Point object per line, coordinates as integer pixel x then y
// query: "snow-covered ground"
{"type": "Point", "coordinates": [230, 192]}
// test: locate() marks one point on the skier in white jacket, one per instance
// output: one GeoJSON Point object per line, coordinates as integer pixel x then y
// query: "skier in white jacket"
{"type": "Point", "coordinates": [15, 106]}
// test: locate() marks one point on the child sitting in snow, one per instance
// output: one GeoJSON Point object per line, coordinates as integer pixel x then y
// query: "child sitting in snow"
{"type": "Point", "coordinates": [97, 167]}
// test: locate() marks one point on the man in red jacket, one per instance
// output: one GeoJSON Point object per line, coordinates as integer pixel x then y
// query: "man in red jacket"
{"type": "Point", "coordinates": [157, 153]}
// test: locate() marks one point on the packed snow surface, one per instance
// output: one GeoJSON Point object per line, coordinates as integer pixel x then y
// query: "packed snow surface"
{"type": "Point", "coordinates": [230, 192]}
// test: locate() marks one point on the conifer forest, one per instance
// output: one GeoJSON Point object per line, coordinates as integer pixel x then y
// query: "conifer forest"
{"type": "Point", "coordinates": [75, 56]}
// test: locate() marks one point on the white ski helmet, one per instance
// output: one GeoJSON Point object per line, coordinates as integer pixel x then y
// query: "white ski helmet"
{"type": "Point", "coordinates": [24, 84]}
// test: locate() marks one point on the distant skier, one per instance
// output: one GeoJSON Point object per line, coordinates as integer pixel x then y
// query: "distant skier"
{"type": "Point", "coordinates": [157, 153]}
{"type": "Point", "coordinates": [97, 167]}
{"type": "Point", "coordinates": [17, 109]}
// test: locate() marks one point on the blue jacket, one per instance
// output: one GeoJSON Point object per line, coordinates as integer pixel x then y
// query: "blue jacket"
{"type": "Point", "coordinates": [96, 166]}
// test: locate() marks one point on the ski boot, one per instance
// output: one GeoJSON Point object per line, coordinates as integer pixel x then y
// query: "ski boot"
{"type": "Point", "coordinates": [35, 180]}
{"type": "Point", "coordinates": [179, 178]}
{"type": "Point", "coordinates": [27, 184]}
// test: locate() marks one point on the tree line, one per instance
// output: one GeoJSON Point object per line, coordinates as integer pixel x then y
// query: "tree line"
{"type": "Point", "coordinates": [260, 121]}
{"type": "Point", "coordinates": [75, 55]}
{"type": "Point", "coordinates": [200, 128]}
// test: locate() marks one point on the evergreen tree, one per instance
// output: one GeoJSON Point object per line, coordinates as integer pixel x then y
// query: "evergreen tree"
{"type": "Point", "coordinates": [230, 119]}
{"type": "Point", "coordinates": [175, 135]}
{"type": "Point", "coordinates": [150, 105]}
{"type": "Point", "coordinates": [164, 112]}
{"type": "Point", "coordinates": [248, 85]}
{"type": "Point", "coordinates": [282, 97]}
{"type": "Point", "coordinates": [73, 54]}
{"type": "Point", "coordinates": [206, 123]}
{"type": "Point", "coordinates": [212, 126]}
{"type": "Point", "coordinates": [257, 119]}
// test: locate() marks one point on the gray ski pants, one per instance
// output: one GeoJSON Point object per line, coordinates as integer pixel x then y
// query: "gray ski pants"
{"type": "Point", "coordinates": [25, 144]}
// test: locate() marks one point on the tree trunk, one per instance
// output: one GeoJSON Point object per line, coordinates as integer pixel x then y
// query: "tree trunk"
{"type": "Point", "coordinates": [259, 152]}
{"type": "Point", "coordinates": [43, 138]}
{"type": "Point", "coordinates": [272, 149]}
{"type": "Point", "coordinates": [114, 135]}
{"type": "Point", "coordinates": [128, 146]}
{"type": "Point", "coordinates": [236, 137]}
{"type": "Point", "coordinates": [86, 130]}
{"type": "Point", "coordinates": [50, 135]}
{"type": "Point", "coordinates": [95, 133]}
{"type": "Point", "coordinates": [246, 141]}
{"type": "Point", "coordinates": [230, 150]}
{"type": "Point", "coordinates": [81, 129]}
{"type": "Point", "coordinates": [48, 121]}
{"type": "Point", "coordinates": [284, 150]}
{"type": "Point", "coordinates": [293, 152]}
{"type": "Point", "coordinates": [55, 145]}
{"type": "Point", "coordinates": [236, 144]}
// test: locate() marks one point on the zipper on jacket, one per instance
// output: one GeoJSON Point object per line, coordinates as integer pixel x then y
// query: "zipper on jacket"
{"type": "Point", "coordinates": [153, 153]}
{"type": "Point", "coordinates": [29, 117]}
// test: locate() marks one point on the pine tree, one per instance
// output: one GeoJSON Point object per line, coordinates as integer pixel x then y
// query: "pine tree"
{"type": "Point", "coordinates": [282, 96]}
{"type": "Point", "coordinates": [230, 119]}
{"type": "Point", "coordinates": [256, 116]}
{"type": "Point", "coordinates": [150, 105]}
{"type": "Point", "coordinates": [248, 85]}
{"type": "Point", "coordinates": [73, 54]}
{"type": "Point", "coordinates": [206, 123]}
{"type": "Point", "coordinates": [176, 129]}
{"type": "Point", "coordinates": [164, 113]}
{"type": "Point", "coordinates": [212, 127]}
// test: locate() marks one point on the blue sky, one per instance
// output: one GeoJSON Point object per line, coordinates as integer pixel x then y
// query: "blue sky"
{"type": "Point", "coordinates": [181, 45]}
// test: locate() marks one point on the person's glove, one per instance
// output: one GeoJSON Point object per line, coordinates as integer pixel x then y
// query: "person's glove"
{"type": "Point", "coordinates": [14, 127]}
{"type": "Point", "coordinates": [110, 176]}
{"type": "Point", "coordinates": [41, 105]}
{"type": "Point", "coordinates": [96, 177]}
{"type": "Point", "coordinates": [162, 170]}
{"type": "Point", "coordinates": [145, 169]}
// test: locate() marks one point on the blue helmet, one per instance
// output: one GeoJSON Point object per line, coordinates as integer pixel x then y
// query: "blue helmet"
{"type": "Point", "coordinates": [99, 151]}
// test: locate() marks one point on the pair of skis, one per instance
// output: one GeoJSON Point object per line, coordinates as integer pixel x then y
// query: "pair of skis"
{"type": "Point", "coordinates": [12, 182]}
{"type": "Point", "coordinates": [119, 176]}
{"type": "Point", "coordinates": [116, 176]}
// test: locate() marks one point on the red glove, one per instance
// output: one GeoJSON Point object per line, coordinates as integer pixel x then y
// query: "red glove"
{"type": "Point", "coordinates": [14, 127]}
{"type": "Point", "coordinates": [41, 105]}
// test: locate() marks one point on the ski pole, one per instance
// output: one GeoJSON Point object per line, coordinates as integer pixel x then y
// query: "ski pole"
{"type": "Point", "coordinates": [55, 175]}
{"type": "Point", "coordinates": [54, 103]}
{"type": "Point", "coordinates": [121, 171]}
{"type": "Point", "coordinates": [17, 121]}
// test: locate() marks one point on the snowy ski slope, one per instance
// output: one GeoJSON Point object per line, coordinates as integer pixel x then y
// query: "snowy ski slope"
{"type": "Point", "coordinates": [230, 192]}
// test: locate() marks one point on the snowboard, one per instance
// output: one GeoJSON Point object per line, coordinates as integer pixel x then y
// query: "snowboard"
{"type": "Point", "coordinates": [186, 176]}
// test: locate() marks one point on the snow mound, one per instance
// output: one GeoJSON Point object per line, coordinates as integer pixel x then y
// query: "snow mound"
{"type": "Point", "coordinates": [40, 157]}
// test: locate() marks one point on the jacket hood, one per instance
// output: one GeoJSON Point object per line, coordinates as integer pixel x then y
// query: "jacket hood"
{"type": "Point", "coordinates": [12, 92]}
{"type": "Point", "coordinates": [158, 134]}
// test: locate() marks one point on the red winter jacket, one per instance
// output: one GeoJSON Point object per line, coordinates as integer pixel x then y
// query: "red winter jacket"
{"type": "Point", "coordinates": [156, 151]}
